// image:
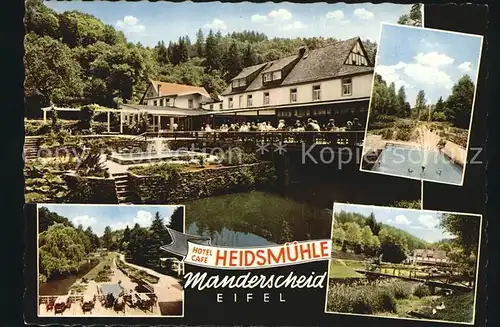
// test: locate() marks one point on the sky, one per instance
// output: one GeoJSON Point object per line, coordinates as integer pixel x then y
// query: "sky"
{"type": "Point", "coordinates": [420, 223]}
{"type": "Point", "coordinates": [426, 59]}
{"type": "Point", "coordinates": [150, 22]}
{"type": "Point", "coordinates": [114, 216]}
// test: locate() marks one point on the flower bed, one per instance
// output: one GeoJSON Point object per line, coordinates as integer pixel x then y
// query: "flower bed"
{"type": "Point", "coordinates": [136, 274]}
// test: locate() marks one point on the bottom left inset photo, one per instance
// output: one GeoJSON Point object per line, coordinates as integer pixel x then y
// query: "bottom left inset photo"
{"type": "Point", "coordinates": [106, 260]}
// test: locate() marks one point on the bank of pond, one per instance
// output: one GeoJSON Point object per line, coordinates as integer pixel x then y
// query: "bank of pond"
{"type": "Point", "coordinates": [398, 298]}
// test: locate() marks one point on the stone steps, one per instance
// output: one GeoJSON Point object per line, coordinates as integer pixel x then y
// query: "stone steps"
{"type": "Point", "coordinates": [124, 195]}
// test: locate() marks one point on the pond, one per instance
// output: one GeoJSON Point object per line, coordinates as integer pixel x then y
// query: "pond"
{"type": "Point", "coordinates": [408, 161]}
{"type": "Point", "coordinates": [62, 285]}
{"type": "Point", "coordinates": [256, 218]}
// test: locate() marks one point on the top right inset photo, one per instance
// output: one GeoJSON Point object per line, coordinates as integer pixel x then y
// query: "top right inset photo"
{"type": "Point", "coordinates": [422, 104]}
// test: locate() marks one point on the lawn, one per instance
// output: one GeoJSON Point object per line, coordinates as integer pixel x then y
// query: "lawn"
{"type": "Point", "coordinates": [345, 269]}
{"type": "Point", "coordinates": [97, 270]}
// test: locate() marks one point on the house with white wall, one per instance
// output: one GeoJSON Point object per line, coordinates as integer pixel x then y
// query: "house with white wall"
{"type": "Point", "coordinates": [330, 82]}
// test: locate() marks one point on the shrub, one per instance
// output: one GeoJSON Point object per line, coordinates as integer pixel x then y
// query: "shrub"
{"type": "Point", "coordinates": [421, 291]}
{"type": "Point", "coordinates": [438, 116]}
{"type": "Point", "coordinates": [167, 170]}
{"type": "Point", "coordinates": [387, 134]}
{"type": "Point", "coordinates": [401, 290]}
{"type": "Point", "coordinates": [233, 157]}
{"type": "Point", "coordinates": [91, 165]}
{"type": "Point", "coordinates": [403, 135]}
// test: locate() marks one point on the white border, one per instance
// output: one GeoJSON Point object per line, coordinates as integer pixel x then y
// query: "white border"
{"type": "Point", "coordinates": [472, 109]}
{"type": "Point", "coordinates": [39, 205]}
{"type": "Point", "coordinates": [403, 318]}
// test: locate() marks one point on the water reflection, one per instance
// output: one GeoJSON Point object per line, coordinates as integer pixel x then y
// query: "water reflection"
{"type": "Point", "coordinates": [62, 285]}
{"type": "Point", "coordinates": [256, 218]}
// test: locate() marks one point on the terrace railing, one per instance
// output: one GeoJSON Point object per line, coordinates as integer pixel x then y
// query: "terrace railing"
{"type": "Point", "coordinates": [347, 138]}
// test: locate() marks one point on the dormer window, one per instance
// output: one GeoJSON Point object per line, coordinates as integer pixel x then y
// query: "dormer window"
{"type": "Point", "coordinates": [190, 103]}
{"type": "Point", "coordinates": [167, 102]}
{"type": "Point", "coordinates": [272, 76]}
{"type": "Point", "coordinates": [239, 83]}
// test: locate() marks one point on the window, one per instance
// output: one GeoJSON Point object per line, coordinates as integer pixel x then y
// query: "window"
{"type": "Point", "coordinates": [276, 75]}
{"type": "Point", "coordinates": [190, 103]}
{"type": "Point", "coordinates": [268, 77]}
{"type": "Point", "coordinates": [240, 101]}
{"type": "Point", "coordinates": [347, 87]}
{"type": "Point", "coordinates": [220, 106]}
{"type": "Point", "coordinates": [155, 103]}
{"type": "Point", "coordinates": [230, 102]}
{"type": "Point", "coordinates": [243, 82]}
{"type": "Point", "coordinates": [266, 98]}
{"type": "Point", "coordinates": [316, 92]}
{"type": "Point", "coordinates": [239, 82]}
{"type": "Point", "coordinates": [235, 83]}
{"type": "Point", "coordinates": [249, 100]}
{"type": "Point", "coordinates": [211, 107]}
{"type": "Point", "coordinates": [167, 102]}
{"type": "Point", "coordinates": [293, 95]}
{"type": "Point", "coordinates": [161, 102]}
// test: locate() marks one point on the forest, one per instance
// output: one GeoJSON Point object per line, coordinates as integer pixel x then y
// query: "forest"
{"type": "Point", "coordinates": [456, 109]}
{"type": "Point", "coordinates": [364, 235]}
{"type": "Point", "coordinates": [64, 248]}
{"type": "Point", "coordinates": [74, 59]}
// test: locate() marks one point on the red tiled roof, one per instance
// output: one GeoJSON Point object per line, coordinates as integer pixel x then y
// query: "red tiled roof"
{"type": "Point", "coordinates": [173, 89]}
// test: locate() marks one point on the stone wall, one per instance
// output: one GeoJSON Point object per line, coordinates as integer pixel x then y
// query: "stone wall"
{"type": "Point", "coordinates": [91, 189]}
{"type": "Point", "coordinates": [191, 185]}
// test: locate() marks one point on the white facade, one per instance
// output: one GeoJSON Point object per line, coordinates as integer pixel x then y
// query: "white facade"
{"type": "Point", "coordinates": [189, 101]}
{"type": "Point", "coordinates": [350, 87]}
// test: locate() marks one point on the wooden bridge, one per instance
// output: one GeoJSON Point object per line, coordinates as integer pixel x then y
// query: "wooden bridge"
{"type": "Point", "coordinates": [428, 281]}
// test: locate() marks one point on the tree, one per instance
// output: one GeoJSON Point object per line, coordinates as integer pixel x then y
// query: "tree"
{"type": "Point", "coordinates": [420, 104]}
{"type": "Point", "coordinates": [393, 246]}
{"type": "Point", "coordinates": [249, 57]}
{"type": "Point", "coordinates": [464, 228]}
{"type": "Point", "coordinates": [41, 20]}
{"type": "Point", "coordinates": [177, 220]}
{"type": "Point", "coordinates": [162, 54]}
{"type": "Point", "coordinates": [61, 250]}
{"type": "Point", "coordinates": [51, 73]}
{"type": "Point", "coordinates": [183, 50]}
{"type": "Point", "coordinates": [107, 238]}
{"type": "Point", "coordinates": [459, 103]}
{"type": "Point", "coordinates": [339, 235]}
{"type": "Point", "coordinates": [392, 104]}
{"type": "Point", "coordinates": [233, 61]}
{"type": "Point", "coordinates": [212, 53]}
{"type": "Point", "coordinates": [372, 223]}
{"type": "Point", "coordinates": [403, 107]}
{"type": "Point", "coordinates": [199, 43]}
{"type": "Point", "coordinates": [414, 17]}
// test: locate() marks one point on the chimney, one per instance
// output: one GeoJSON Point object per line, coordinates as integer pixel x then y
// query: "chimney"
{"type": "Point", "coordinates": [302, 51]}
{"type": "Point", "coordinates": [159, 89]}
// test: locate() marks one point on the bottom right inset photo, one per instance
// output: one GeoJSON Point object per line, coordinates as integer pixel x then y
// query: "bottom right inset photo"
{"type": "Point", "coordinates": [404, 263]}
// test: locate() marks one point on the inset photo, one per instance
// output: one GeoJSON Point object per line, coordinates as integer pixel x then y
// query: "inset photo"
{"type": "Point", "coordinates": [404, 263]}
{"type": "Point", "coordinates": [422, 104]}
{"type": "Point", "coordinates": [105, 260]}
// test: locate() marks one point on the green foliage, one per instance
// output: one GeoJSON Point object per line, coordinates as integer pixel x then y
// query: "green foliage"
{"type": "Point", "coordinates": [459, 103]}
{"type": "Point", "coordinates": [92, 165]}
{"type": "Point", "coordinates": [385, 101]}
{"type": "Point", "coordinates": [74, 58]}
{"type": "Point", "coordinates": [43, 184]}
{"type": "Point", "coordinates": [413, 18]}
{"type": "Point", "coordinates": [46, 218]}
{"type": "Point", "coordinates": [62, 250]}
{"type": "Point", "coordinates": [164, 169]}
{"type": "Point", "coordinates": [438, 116]}
{"type": "Point", "coordinates": [422, 290]}
{"type": "Point", "coordinates": [235, 156]}
{"type": "Point", "coordinates": [364, 297]}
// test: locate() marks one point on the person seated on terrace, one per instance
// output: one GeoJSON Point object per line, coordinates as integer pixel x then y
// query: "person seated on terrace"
{"type": "Point", "coordinates": [175, 126]}
{"type": "Point", "coordinates": [331, 125]}
{"type": "Point", "coordinates": [356, 125]}
{"type": "Point", "coordinates": [349, 126]}
{"type": "Point", "coordinates": [315, 126]}
{"type": "Point", "coordinates": [310, 125]}
{"type": "Point", "coordinates": [244, 128]}
{"type": "Point", "coordinates": [208, 128]}
{"type": "Point", "coordinates": [254, 127]}
{"type": "Point", "coordinates": [281, 125]}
